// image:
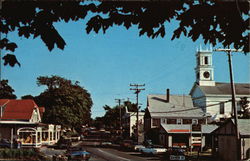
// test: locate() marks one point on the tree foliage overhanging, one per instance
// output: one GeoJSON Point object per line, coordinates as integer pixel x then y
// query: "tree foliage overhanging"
{"type": "Point", "coordinates": [66, 103]}
{"type": "Point", "coordinates": [225, 22]}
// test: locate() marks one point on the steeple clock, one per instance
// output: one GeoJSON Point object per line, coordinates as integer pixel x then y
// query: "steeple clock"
{"type": "Point", "coordinates": [204, 69]}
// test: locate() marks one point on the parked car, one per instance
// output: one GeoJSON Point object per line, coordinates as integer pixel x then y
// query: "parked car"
{"type": "Point", "coordinates": [175, 153]}
{"type": "Point", "coordinates": [77, 153]}
{"type": "Point", "coordinates": [127, 144]}
{"type": "Point", "coordinates": [138, 147]}
{"type": "Point", "coordinates": [153, 150]}
{"type": "Point", "coordinates": [63, 143]}
{"type": "Point", "coordinates": [4, 143]}
{"type": "Point", "coordinates": [75, 137]}
{"type": "Point", "coordinates": [147, 142]}
{"type": "Point", "coordinates": [105, 144]}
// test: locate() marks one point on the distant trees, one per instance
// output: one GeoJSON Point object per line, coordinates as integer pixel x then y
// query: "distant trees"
{"type": "Point", "coordinates": [111, 118]}
{"type": "Point", "coordinates": [225, 22]}
{"type": "Point", "coordinates": [6, 91]}
{"type": "Point", "coordinates": [66, 102]}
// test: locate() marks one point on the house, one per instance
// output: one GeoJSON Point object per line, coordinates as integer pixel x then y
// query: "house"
{"type": "Point", "coordinates": [129, 123]}
{"type": "Point", "coordinates": [214, 97]}
{"type": "Point", "coordinates": [226, 142]}
{"type": "Point", "coordinates": [179, 123]}
{"type": "Point", "coordinates": [21, 120]}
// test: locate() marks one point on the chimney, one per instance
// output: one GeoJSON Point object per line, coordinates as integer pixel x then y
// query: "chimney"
{"type": "Point", "coordinates": [167, 96]}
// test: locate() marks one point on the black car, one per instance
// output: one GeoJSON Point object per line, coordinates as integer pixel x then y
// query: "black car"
{"type": "Point", "coordinates": [63, 143]}
{"type": "Point", "coordinates": [4, 143]}
{"type": "Point", "coordinates": [175, 153]}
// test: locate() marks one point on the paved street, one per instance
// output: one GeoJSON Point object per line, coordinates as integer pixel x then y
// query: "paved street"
{"type": "Point", "coordinates": [114, 153]}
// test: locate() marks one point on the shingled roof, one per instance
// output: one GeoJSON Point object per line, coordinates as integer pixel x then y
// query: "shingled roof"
{"type": "Point", "coordinates": [225, 89]}
{"type": "Point", "coordinates": [178, 106]}
{"type": "Point", "coordinates": [17, 109]}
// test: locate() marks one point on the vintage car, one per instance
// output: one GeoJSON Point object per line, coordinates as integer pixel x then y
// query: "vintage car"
{"type": "Point", "coordinates": [4, 143]}
{"type": "Point", "coordinates": [153, 150]}
{"type": "Point", "coordinates": [105, 144]}
{"type": "Point", "coordinates": [175, 153]}
{"type": "Point", "coordinates": [127, 144]}
{"type": "Point", "coordinates": [77, 153]}
{"type": "Point", "coordinates": [138, 147]}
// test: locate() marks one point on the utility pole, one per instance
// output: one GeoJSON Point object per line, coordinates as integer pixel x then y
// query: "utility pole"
{"type": "Point", "coordinates": [1, 6]}
{"type": "Point", "coordinates": [137, 91]}
{"type": "Point", "coordinates": [118, 100]}
{"type": "Point", "coordinates": [235, 115]}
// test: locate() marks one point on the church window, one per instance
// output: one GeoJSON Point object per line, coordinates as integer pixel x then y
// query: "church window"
{"type": "Point", "coordinates": [222, 108]}
{"type": "Point", "coordinates": [206, 60]}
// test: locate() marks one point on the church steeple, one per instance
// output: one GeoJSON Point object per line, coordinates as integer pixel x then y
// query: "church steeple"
{"type": "Point", "coordinates": [204, 68]}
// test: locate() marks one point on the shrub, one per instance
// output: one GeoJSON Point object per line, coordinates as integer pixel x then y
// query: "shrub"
{"type": "Point", "coordinates": [18, 153]}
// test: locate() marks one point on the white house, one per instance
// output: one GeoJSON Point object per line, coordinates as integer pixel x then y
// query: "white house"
{"type": "Point", "coordinates": [129, 122]}
{"type": "Point", "coordinates": [21, 120]}
{"type": "Point", "coordinates": [214, 97]}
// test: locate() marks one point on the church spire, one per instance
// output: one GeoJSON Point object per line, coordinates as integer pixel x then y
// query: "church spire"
{"type": "Point", "coordinates": [204, 67]}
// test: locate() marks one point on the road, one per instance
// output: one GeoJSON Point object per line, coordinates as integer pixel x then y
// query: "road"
{"type": "Point", "coordinates": [114, 154]}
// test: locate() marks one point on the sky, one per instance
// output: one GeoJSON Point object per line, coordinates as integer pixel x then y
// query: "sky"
{"type": "Point", "coordinates": [105, 64]}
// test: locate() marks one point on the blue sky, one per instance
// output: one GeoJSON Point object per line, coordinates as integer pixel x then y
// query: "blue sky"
{"type": "Point", "coordinates": [105, 64]}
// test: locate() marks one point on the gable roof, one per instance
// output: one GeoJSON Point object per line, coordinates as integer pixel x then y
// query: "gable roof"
{"type": "Point", "coordinates": [17, 109]}
{"type": "Point", "coordinates": [178, 106]}
{"type": "Point", "coordinates": [243, 126]}
{"type": "Point", "coordinates": [224, 89]}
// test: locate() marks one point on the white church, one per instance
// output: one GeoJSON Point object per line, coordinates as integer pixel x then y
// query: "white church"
{"type": "Point", "coordinates": [214, 97]}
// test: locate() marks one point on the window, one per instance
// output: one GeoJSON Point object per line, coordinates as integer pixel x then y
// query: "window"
{"type": "Point", "coordinates": [156, 122]}
{"type": "Point", "coordinates": [163, 120]}
{"type": "Point", "coordinates": [187, 121]}
{"type": "Point", "coordinates": [222, 108]}
{"type": "Point", "coordinates": [206, 60]}
{"type": "Point", "coordinates": [238, 106]}
{"type": "Point", "coordinates": [171, 121]}
{"type": "Point", "coordinates": [179, 121]}
{"type": "Point", "coordinates": [194, 121]}
{"type": "Point", "coordinates": [202, 121]}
